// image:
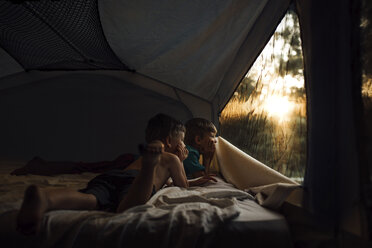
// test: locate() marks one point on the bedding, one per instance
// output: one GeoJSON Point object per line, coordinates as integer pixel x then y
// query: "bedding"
{"type": "Point", "coordinates": [213, 215]}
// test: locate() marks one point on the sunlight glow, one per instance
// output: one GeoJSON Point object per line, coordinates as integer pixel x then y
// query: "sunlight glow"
{"type": "Point", "coordinates": [277, 96]}
{"type": "Point", "coordinates": [278, 106]}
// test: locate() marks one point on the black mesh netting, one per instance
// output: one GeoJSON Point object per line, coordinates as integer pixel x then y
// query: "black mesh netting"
{"type": "Point", "coordinates": [55, 35]}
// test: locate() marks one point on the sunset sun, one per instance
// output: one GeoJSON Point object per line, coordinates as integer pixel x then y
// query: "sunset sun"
{"type": "Point", "coordinates": [278, 106]}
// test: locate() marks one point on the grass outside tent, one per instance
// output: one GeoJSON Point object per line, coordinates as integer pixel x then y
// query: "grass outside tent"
{"type": "Point", "coordinates": [280, 145]}
{"type": "Point", "coordinates": [266, 117]}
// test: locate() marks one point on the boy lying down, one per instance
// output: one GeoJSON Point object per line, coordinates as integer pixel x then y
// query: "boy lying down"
{"type": "Point", "coordinates": [118, 190]}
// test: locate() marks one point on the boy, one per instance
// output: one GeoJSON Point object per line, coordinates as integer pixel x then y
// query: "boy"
{"type": "Point", "coordinates": [200, 139]}
{"type": "Point", "coordinates": [118, 190]}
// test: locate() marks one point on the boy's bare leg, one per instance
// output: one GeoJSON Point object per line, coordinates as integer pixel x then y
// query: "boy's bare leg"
{"type": "Point", "coordinates": [37, 201]}
{"type": "Point", "coordinates": [142, 186]}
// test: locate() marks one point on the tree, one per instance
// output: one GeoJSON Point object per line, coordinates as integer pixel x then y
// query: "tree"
{"type": "Point", "coordinates": [292, 62]}
{"type": "Point", "coordinates": [366, 37]}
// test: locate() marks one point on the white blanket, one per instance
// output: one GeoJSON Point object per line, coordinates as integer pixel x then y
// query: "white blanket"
{"type": "Point", "coordinates": [173, 217]}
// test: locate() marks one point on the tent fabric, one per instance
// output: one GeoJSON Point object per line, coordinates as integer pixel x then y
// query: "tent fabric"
{"type": "Point", "coordinates": [179, 51]}
{"type": "Point", "coordinates": [332, 172]}
{"type": "Point", "coordinates": [55, 35]}
{"type": "Point", "coordinates": [194, 44]}
{"type": "Point", "coordinates": [243, 170]}
{"type": "Point", "coordinates": [78, 116]}
{"type": "Point", "coordinates": [191, 46]}
{"type": "Point", "coordinates": [8, 65]}
{"type": "Point", "coordinates": [270, 187]}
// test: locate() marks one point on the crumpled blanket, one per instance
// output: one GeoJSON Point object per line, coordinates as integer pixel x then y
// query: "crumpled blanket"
{"type": "Point", "coordinates": [173, 217]}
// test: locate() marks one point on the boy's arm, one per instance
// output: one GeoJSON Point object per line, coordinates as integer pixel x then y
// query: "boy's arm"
{"type": "Point", "coordinates": [198, 174]}
{"type": "Point", "coordinates": [177, 172]}
{"type": "Point", "coordinates": [202, 180]}
{"type": "Point", "coordinates": [208, 156]}
{"type": "Point", "coordinates": [207, 159]}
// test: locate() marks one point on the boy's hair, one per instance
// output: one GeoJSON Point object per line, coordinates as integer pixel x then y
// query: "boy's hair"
{"type": "Point", "coordinates": [161, 125]}
{"type": "Point", "coordinates": [198, 127]}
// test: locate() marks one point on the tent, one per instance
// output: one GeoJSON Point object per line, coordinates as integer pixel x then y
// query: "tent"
{"type": "Point", "coordinates": [79, 79]}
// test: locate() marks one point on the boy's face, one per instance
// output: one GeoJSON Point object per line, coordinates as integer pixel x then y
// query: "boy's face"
{"type": "Point", "coordinates": [176, 141]}
{"type": "Point", "coordinates": [207, 143]}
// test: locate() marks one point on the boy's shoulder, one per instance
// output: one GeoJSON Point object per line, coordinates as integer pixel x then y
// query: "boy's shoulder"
{"type": "Point", "coordinates": [192, 149]}
{"type": "Point", "coordinates": [192, 164]}
{"type": "Point", "coordinates": [168, 157]}
{"type": "Point", "coordinates": [194, 155]}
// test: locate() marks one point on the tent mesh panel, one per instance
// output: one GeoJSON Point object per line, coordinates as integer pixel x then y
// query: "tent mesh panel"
{"type": "Point", "coordinates": [56, 35]}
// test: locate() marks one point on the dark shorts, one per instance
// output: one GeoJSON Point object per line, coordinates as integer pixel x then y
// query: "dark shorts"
{"type": "Point", "coordinates": [110, 187]}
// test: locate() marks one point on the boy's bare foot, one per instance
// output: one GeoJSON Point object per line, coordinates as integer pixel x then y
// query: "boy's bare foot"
{"type": "Point", "coordinates": [151, 154]}
{"type": "Point", "coordinates": [32, 210]}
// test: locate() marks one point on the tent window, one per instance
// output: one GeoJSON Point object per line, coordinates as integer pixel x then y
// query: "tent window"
{"type": "Point", "coordinates": [266, 117]}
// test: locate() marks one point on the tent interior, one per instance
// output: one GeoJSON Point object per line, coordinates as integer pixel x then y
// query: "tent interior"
{"type": "Point", "coordinates": [80, 79]}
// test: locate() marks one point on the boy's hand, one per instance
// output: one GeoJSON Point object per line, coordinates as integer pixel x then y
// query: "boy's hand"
{"type": "Point", "coordinates": [209, 152]}
{"type": "Point", "coordinates": [211, 148]}
{"type": "Point", "coordinates": [202, 180]}
{"type": "Point", "coordinates": [182, 152]}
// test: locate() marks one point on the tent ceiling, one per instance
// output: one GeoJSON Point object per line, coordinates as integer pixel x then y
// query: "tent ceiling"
{"type": "Point", "coordinates": [56, 35]}
{"type": "Point", "coordinates": [192, 46]}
